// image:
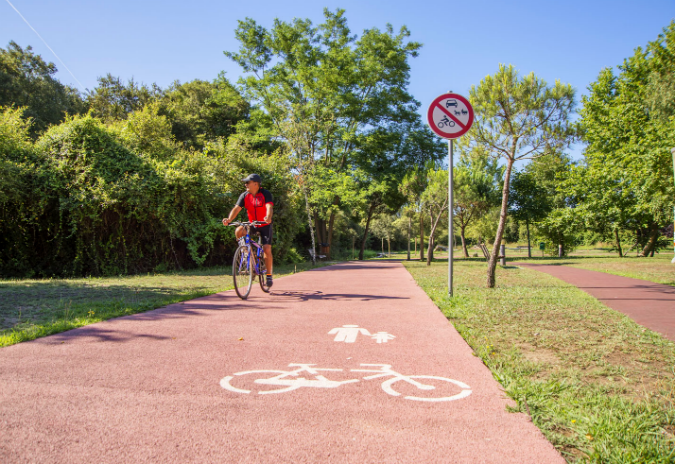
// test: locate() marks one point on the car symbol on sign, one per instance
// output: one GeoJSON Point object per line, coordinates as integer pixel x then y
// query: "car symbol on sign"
{"type": "Point", "coordinates": [450, 103]}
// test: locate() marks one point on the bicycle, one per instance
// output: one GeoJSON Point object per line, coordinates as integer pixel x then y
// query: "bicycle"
{"type": "Point", "coordinates": [243, 267]}
{"type": "Point", "coordinates": [281, 381]}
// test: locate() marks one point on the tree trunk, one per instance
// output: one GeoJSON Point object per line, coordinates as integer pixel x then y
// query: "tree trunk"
{"type": "Point", "coordinates": [320, 225]}
{"type": "Point", "coordinates": [311, 226]}
{"type": "Point", "coordinates": [492, 263]}
{"type": "Point", "coordinates": [365, 232]}
{"type": "Point", "coordinates": [382, 245]}
{"type": "Point", "coordinates": [389, 246]}
{"type": "Point", "coordinates": [432, 234]}
{"type": "Point", "coordinates": [430, 251]}
{"type": "Point", "coordinates": [409, 226]}
{"type": "Point", "coordinates": [421, 237]}
{"type": "Point", "coordinates": [461, 234]}
{"type": "Point", "coordinates": [331, 223]}
{"type": "Point", "coordinates": [529, 247]}
{"type": "Point", "coordinates": [649, 248]}
{"type": "Point", "coordinates": [618, 242]}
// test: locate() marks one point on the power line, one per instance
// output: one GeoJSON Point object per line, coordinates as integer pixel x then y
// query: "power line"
{"type": "Point", "coordinates": [44, 42]}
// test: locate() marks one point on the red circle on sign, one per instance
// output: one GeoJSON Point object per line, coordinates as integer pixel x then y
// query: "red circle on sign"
{"type": "Point", "coordinates": [449, 116]}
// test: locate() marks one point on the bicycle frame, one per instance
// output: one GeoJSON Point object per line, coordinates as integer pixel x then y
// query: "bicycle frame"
{"type": "Point", "coordinates": [248, 241]}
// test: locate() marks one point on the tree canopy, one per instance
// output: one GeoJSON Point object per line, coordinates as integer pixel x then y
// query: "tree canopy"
{"type": "Point", "coordinates": [627, 122]}
{"type": "Point", "coordinates": [26, 80]}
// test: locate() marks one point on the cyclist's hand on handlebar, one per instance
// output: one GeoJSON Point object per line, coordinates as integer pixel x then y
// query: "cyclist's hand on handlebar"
{"type": "Point", "coordinates": [226, 221]}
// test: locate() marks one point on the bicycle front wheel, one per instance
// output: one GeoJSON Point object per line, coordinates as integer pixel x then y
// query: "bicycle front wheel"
{"type": "Point", "coordinates": [438, 388]}
{"type": "Point", "coordinates": [241, 271]}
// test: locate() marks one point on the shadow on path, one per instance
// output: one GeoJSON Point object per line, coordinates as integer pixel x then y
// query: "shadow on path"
{"type": "Point", "coordinates": [305, 295]}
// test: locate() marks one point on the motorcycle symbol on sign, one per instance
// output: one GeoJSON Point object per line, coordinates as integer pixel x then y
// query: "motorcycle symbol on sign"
{"type": "Point", "coordinates": [446, 122]}
{"type": "Point", "coordinates": [291, 380]}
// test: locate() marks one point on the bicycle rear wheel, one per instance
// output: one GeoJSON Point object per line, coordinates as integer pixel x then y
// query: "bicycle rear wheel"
{"type": "Point", "coordinates": [241, 271]}
{"type": "Point", "coordinates": [262, 277]}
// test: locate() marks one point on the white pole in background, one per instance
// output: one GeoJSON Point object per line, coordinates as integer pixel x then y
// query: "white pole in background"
{"type": "Point", "coordinates": [450, 225]}
{"type": "Point", "coordinates": [672, 150]}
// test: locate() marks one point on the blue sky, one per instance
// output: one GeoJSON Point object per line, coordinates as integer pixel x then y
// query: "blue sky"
{"type": "Point", "coordinates": [160, 42]}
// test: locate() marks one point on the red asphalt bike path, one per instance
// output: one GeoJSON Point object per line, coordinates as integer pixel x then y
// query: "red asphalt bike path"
{"type": "Point", "coordinates": [167, 385]}
{"type": "Point", "coordinates": [649, 304]}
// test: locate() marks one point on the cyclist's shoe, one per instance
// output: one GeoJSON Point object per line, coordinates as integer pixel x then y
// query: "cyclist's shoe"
{"type": "Point", "coordinates": [269, 282]}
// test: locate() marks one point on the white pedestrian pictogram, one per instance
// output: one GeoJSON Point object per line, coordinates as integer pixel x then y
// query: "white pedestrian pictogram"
{"type": "Point", "coordinates": [292, 380]}
{"type": "Point", "coordinates": [382, 337]}
{"type": "Point", "coordinates": [347, 333]}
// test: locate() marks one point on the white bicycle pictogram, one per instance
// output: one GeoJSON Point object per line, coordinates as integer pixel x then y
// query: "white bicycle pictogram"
{"type": "Point", "coordinates": [291, 380]}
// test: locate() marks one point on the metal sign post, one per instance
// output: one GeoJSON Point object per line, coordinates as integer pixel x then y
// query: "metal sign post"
{"type": "Point", "coordinates": [450, 116]}
{"type": "Point", "coordinates": [450, 218]}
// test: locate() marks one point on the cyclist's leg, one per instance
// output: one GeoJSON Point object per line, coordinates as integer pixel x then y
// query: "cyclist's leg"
{"type": "Point", "coordinates": [266, 234]}
{"type": "Point", "coordinates": [239, 232]}
{"type": "Point", "coordinates": [268, 258]}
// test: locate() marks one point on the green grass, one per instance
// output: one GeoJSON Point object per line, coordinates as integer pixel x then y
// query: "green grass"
{"type": "Point", "coordinates": [599, 386]}
{"type": "Point", "coordinates": [30, 309]}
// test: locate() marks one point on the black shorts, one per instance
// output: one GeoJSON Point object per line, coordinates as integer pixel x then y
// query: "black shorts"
{"type": "Point", "coordinates": [265, 233]}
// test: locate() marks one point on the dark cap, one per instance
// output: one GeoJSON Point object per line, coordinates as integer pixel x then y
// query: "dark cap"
{"type": "Point", "coordinates": [253, 177]}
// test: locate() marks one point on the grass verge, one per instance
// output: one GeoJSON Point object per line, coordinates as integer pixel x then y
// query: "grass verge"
{"type": "Point", "coordinates": [599, 386]}
{"type": "Point", "coordinates": [30, 309]}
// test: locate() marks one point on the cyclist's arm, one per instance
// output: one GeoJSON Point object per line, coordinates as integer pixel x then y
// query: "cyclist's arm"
{"type": "Point", "coordinates": [268, 216]}
{"type": "Point", "coordinates": [233, 214]}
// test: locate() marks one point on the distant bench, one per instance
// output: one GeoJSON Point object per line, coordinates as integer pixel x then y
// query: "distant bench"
{"type": "Point", "coordinates": [314, 256]}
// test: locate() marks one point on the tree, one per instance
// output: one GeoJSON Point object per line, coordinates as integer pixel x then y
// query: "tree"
{"type": "Point", "coordinates": [539, 189]}
{"type": "Point", "coordinates": [549, 175]}
{"type": "Point", "coordinates": [378, 193]}
{"type": "Point", "coordinates": [602, 202]}
{"type": "Point", "coordinates": [515, 119]}
{"type": "Point", "coordinates": [435, 201]}
{"type": "Point", "coordinates": [476, 182]}
{"type": "Point", "coordinates": [626, 121]}
{"type": "Point", "coordinates": [384, 228]}
{"type": "Point", "coordinates": [527, 202]}
{"type": "Point", "coordinates": [325, 90]}
{"type": "Point", "coordinates": [413, 185]}
{"type": "Point", "coordinates": [200, 111]}
{"type": "Point", "coordinates": [112, 100]}
{"type": "Point", "coordinates": [26, 80]}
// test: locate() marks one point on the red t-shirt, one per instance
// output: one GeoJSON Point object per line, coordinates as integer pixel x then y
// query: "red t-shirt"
{"type": "Point", "coordinates": [255, 204]}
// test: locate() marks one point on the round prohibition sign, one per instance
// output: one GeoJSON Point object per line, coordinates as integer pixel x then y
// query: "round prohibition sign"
{"type": "Point", "coordinates": [450, 116]}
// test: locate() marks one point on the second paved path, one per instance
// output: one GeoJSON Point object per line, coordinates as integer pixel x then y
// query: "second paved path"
{"type": "Point", "coordinates": [167, 385]}
{"type": "Point", "coordinates": [647, 303]}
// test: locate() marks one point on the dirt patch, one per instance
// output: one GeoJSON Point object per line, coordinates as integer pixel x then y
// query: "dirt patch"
{"type": "Point", "coordinates": [539, 355]}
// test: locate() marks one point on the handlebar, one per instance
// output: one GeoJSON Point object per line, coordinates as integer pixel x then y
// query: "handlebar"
{"type": "Point", "coordinates": [248, 224]}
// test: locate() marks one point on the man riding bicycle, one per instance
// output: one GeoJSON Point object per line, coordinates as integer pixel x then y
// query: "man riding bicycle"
{"type": "Point", "coordinates": [258, 203]}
